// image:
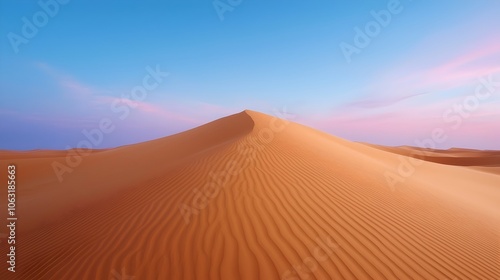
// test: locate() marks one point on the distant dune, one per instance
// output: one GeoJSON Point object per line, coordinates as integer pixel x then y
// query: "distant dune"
{"type": "Point", "coordinates": [251, 196]}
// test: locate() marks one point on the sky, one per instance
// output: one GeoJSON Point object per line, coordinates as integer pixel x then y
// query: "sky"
{"type": "Point", "coordinates": [408, 72]}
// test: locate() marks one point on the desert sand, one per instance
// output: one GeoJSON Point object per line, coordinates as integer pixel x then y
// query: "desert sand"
{"type": "Point", "coordinates": [251, 196]}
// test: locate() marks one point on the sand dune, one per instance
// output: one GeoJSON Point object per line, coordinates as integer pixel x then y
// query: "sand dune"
{"type": "Point", "coordinates": [455, 156]}
{"type": "Point", "coordinates": [251, 196]}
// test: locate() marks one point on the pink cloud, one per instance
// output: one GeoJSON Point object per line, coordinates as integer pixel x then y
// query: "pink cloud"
{"type": "Point", "coordinates": [144, 107]}
{"type": "Point", "coordinates": [410, 80]}
{"type": "Point", "coordinates": [382, 102]}
{"type": "Point", "coordinates": [405, 123]}
{"type": "Point", "coordinates": [95, 97]}
{"type": "Point", "coordinates": [467, 58]}
{"type": "Point", "coordinates": [67, 83]}
{"type": "Point", "coordinates": [76, 88]}
{"type": "Point", "coordinates": [408, 104]}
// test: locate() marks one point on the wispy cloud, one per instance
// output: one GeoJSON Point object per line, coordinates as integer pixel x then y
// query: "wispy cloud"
{"type": "Point", "coordinates": [406, 81]}
{"type": "Point", "coordinates": [67, 83]}
{"type": "Point", "coordinates": [383, 102]}
{"type": "Point", "coordinates": [458, 71]}
{"type": "Point", "coordinates": [145, 107]}
{"type": "Point", "coordinates": [98, 98]}
{"type": "Point", "coordinates": [405, 104]}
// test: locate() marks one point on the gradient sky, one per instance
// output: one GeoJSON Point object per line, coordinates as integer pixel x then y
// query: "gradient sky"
{"type": "Point", "coordinates": [410, 79]}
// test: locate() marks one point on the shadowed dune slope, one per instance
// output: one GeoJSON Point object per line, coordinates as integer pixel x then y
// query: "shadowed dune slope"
{"type": "Point", "coordinates": [252, 196]}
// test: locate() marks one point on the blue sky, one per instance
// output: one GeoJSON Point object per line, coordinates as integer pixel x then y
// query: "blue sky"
{"type": "Point", "coordinates": [427, 59]}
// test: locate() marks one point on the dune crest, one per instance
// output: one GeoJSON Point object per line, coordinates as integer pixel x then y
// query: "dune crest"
{"type": "Point", "coordinates": [252, 196]}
